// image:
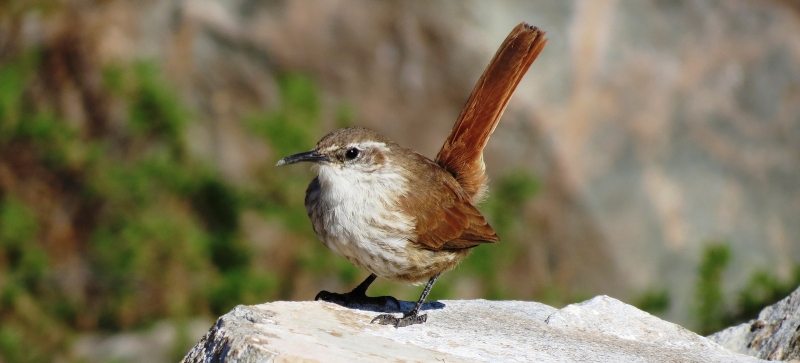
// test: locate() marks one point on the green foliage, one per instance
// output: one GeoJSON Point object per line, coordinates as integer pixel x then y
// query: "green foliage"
{"type": "Point", "coordinates": [11, 88]}
{"type": "Point", "coordinates": [183, 341]}
{"type": "Point", "coordinates": [155, 110]}
{"type": "Point", "coordinates": [17, 223]}
{"type": "Point", "coordinates": [508, 198]}
{"type": "Point", "coordinates": [288, 129]}
{"type": "Point", "coordinates": [55, 141]}
{"type": "Point", "coordinates": [218, 206]}
{"type": "Point", "coordinates": [292, 126]}
{"type": "Point", "coordinates": [114, 78]}
{"type": "Point", "coordinates": [25, 267]}
{"type": "Point", "coordinates": [164, 238]}
{"type": "Point", "coordinates": [709, 298]}
{"type": "Point", "coordinates": [762, 290]}
{"type": "Point", "coordinates": [26, 262]}
{"type": "Point", "coordinates": [653, 301]}
{"type": "Point", "coordinates": [167, 210]}
{"type": "Point", "coordinates": [240, 286]}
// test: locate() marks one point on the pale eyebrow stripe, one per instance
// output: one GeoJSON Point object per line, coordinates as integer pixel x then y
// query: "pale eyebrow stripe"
{"type": "Point", "coordinates": [366, 144]}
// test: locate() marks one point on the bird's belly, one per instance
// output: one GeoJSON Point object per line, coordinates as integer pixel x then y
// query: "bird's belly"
{"type": "Point", "coordinates": [377, 239]}
{"type": "Point", "coordinates": [358, 219]}
{"type": "Point", "coordinates": [392, 259]}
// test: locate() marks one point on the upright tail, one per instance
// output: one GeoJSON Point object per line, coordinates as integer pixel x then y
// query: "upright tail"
{"type": "Point", "coordinates": [462, 153]}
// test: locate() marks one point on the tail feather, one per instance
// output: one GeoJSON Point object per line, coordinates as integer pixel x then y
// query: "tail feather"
{"type": "Point", "coordinates": [462, 153]}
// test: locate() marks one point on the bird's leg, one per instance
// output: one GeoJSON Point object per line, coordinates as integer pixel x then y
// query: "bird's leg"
{"type": "Point", "coordinates": [412, 317]}
{"type": "Point", "coordinates": [357, 296]}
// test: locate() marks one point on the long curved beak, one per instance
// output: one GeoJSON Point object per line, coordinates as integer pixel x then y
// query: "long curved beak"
{"type": "Point", "coordinates": [311, 156]}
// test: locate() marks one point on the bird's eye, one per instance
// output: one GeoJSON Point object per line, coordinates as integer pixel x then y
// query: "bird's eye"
{"type": "Point", "coordinates": [352, 153]}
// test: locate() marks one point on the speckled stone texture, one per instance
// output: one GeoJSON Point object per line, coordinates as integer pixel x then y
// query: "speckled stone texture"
{"type": "Point", "coordinates": [602, 329]}
{"type": "Point", "coordinates": [775, 335]}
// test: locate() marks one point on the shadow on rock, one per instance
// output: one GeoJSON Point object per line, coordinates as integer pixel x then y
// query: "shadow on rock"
{"type": "Point", "coordinates": [390, 307]}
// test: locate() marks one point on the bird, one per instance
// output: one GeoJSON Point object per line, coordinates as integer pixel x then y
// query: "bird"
{"type": "Point", "coordinates": [400, 215]}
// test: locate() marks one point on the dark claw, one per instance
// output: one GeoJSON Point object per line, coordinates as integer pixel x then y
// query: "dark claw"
{"type": "Point", "coordinates": [406, 320]}
{"type": "Point", "coordinates": [351, 298]}
{"type": "Point", "coordinates": [327, 296]}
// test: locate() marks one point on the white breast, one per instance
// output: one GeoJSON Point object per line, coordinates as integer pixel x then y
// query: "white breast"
{"type": "Point", "coordinates": [361, 220]}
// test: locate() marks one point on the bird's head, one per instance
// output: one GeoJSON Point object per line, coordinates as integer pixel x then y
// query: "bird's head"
{"type": "Point", "coordinates": [352, 148]}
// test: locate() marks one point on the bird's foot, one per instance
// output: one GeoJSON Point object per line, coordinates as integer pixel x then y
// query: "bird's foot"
{"type": "Point", "coordinates": [406, 320]}
{"type": "Point", "coordinates": [356, 298]}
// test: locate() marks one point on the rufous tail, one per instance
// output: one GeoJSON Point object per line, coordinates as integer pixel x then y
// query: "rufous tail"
{"type": "Point", "coordinates": [462, 152]}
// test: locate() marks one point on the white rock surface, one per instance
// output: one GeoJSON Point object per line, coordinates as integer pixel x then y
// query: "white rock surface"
{"type": "Point", "coordinates": [599, 330]}
{"type": "Point", "coordinates": [774, 335]}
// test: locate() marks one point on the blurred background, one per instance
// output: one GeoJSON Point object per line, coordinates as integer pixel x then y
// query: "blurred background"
{"type": "Point", "coordinates": [652, 154]}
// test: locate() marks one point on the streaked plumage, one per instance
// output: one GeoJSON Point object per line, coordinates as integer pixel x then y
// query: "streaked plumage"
{"type": "Point", "coordinates": [400, 215]}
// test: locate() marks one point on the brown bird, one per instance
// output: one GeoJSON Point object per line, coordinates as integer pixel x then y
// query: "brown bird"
{"type": "Point", "coordinates": [400, 215]}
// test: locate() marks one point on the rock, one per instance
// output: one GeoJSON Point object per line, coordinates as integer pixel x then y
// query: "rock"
{"type": "Point", "coordinates": [775, 335]}
{"type": "Point", "coordinates": [602, 329]}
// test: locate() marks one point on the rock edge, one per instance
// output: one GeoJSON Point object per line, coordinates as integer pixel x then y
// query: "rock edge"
{"type": "Point", "coordinates": [774, 335]}
{"type": "Point", "coordinates": [602, 329]}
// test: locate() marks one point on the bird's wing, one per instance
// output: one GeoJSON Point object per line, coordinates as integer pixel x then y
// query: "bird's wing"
{"type": "Point", "coordinates": [445, 216]}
